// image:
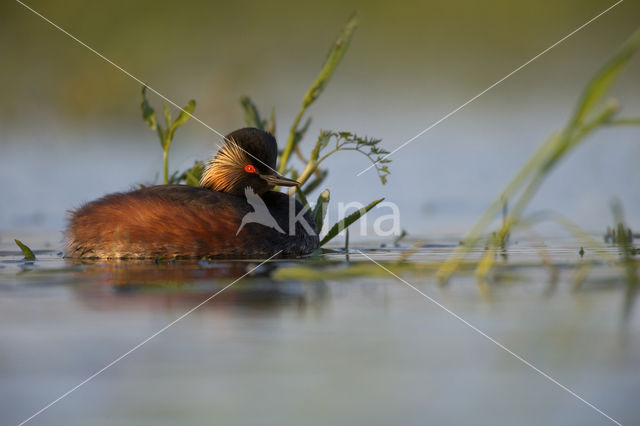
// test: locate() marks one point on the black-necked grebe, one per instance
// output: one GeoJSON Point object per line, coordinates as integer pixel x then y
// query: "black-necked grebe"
{"type": "Point", "coordinates": [213, 219]}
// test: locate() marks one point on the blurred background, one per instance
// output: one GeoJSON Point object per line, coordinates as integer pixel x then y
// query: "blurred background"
{"type": "Point", "coordinates": [71, 131]}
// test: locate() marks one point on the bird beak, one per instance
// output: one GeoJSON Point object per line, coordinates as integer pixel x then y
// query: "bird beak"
{"type": "Point", "coordinates": [277, 180]}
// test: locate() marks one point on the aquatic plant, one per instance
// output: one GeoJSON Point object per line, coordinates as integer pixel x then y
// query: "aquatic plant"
{"type": "Point", "coordinates": [312, 175]}
{"type": "Point", "coordinates": [585, 120]}
{"type": "Point", "coordinates": [336, 52]}
{"type": "Point", "coordinates": [166, 134]}
{"type": "Point", "coordinates": [26, 251]}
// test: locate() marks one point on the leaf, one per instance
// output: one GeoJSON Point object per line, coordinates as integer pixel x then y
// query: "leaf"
{"type": "Point", "coordinates": [190, 176]}
{"type": "Point", "coordinates": [624, 121]}
{"type": "Point", "coordinates": [601, 82]}
{"type": "Point", "coordinates": [336, 52]}
{"type": "Point", "coordinates": [271, 126]}
{"type": "Point", "coordinates": [302, 198]}
{"type": "Point", "coordinates": [315, 183]}
{"type": "Point", "coordinates": [301, 131]}
{"type": "Point", "coordinates": [251, 114]}
{"type": "Point", "coordinates": [334, 56]}
{"type": "Point", "coordinates": [400, 237]}
{"type": "Point", "coordinates": [346, 243]}
{"type": "Point", "coordinates": [148, 114]}
{"type": "Point", "coordinates": [321, 143]}
{"type": "Point", "coordinates": [174, 179]}
{"type": "Point", "coordinates": [320, 210]}
{"type": "Point", "coordinates": [369, 147]}
{"type": "Point", "coordinates": [167, 114]}
{"type": "Point", "coordinates": [182, 118]}
{"type": "Point", "coordinates": [347, 221]}
{"type": "Point", "coordinates": [193, 175]}
{"type": "Point", "coordinates": [26, 251]}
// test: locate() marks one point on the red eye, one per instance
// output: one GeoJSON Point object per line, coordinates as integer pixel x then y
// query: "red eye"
{"type": "Point", "coordinates": [249, 168]}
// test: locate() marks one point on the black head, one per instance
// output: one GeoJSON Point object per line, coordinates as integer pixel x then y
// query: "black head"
{"type": "Point", "coordinates": [247, 158]}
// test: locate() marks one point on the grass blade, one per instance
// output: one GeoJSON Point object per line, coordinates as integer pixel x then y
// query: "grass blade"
{"type": "Point", "coordinates": [347, 221]}
{"type": "Point", "coordinates": [334, 57]}
{"type": "Point", "coordinates": [148, 114]}
{"type": "Point", "coordinates": [302, 198]}
{"type": "Point", "coordinates": [320, 209]}
{"type": "Point", "coordinates": [548, 155]}
{"type": "Point", "coordinates": [251, 114]}
{"type": "Point", "coordinates": [26, 251]}
{"type": "Point", "coordinates": [167, 114]}
{"type": "Point", "coordinates": [601, 82]}
{"type": "Point", "coordinates": [316, 182]}
{"type": "Point", "coordinates": [182, 118]}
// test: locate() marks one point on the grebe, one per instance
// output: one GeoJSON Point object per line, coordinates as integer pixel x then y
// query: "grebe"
{"type": "Point", "coordinates": [211, 220]}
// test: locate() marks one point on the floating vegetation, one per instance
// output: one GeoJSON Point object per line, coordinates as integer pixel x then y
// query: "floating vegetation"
{"type": "Point", "coordinates": [624, 240]}
{"type": "Point", "coordinates": [312, 175]}
{"type": "Point", "coordinates": [400, 237]}
{"type": "Point", "coordinates": [618, 234]}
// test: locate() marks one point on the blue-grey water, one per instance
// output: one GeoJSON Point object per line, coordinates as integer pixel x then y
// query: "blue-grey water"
{"type": "Point", "coordinates": [330, 351]}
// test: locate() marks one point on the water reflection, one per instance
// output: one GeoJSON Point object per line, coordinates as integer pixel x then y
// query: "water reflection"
{"type": "Point", "coordinates": [368, 346]}
{"type": "Point", "coordinates": [180, 285]}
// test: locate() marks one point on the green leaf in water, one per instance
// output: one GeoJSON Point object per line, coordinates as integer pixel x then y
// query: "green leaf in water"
{"type": "Point", "coordinates": [302, 198]}
{"type": "Point", "coordinates": [347, 221]}
{"type": "Point", "coordinates": [26, 251]}
{"type": "Point", "coordinates": [400, 237]}
{"type": "Point", "coordinates": [320, 209]}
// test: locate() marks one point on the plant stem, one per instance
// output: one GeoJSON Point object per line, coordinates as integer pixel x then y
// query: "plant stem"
{"type": "Point", "coordinates": [286, 153]}
{"type": "Point", "coordinates": [631, 121]}
{"type": "Point", "coordinates": [450, 265]}
{"type": "Point", "coordinates": [311, 167]}
{"type": "Point", "coordinates": [165, 158]}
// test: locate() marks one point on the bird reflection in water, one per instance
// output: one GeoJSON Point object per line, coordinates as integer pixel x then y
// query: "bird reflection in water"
{"type": "Point", "coordinates": [180, 285]}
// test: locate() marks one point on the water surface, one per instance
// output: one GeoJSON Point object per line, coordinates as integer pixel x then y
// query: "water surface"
{"type": "Point", "coordinates": [364, 350]}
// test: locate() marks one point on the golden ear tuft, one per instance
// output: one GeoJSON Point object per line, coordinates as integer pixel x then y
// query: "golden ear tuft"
{"type": "Point", "coordinates": [224, 171]}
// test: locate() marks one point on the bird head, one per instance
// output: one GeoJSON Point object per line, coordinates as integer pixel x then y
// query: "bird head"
{"type": "Point", "coordinates": [246, 159]}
